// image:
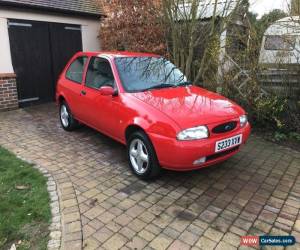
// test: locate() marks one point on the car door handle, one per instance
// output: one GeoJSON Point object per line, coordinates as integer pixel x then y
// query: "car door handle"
{"type": "Point", "coordinates": [83, 92]}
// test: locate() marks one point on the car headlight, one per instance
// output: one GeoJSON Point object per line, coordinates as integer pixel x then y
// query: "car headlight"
{"type": "Point", "coordinates": [243, 120]}
{"type": "Point", "coordinates": [196, 133]}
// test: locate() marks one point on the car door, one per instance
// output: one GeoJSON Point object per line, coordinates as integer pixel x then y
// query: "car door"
{"type": "Point", "coordinates": [73, 85]}
{"type": "Point", "coordinates": [100, 111]}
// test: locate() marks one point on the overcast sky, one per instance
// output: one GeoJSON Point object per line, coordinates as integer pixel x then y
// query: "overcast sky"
{"type": "Point", "coordinates": [264, 6]}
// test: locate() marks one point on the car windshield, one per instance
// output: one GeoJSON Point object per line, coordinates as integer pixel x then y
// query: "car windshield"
{"type": "Point", "coordinates": [145, 73]}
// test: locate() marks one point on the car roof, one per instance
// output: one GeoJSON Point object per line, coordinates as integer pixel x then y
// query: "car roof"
{"type": "Point", "coordinates": [115, 54]}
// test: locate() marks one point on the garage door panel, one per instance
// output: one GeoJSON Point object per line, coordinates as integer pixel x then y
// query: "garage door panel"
{"type": "Point", "coordinates": [40, 50]}
{"type": "Point", "coordinates": [66, 40]}
{"type": "Point", "coordinates": [31, 57]}
{"type": "Point", "coordinates": [17, 34]}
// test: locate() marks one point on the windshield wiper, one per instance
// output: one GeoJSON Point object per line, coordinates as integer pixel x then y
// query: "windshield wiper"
{"type": "Point", "coordinates": [160, 86]}
{"type": "Point", "coordinates": [167, 85]}
{"type": "Point", "coordinates": [184, 83]}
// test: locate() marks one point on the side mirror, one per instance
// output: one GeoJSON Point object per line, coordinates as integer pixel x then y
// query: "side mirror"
{"type": "Point", "coordinates": [107, 91]}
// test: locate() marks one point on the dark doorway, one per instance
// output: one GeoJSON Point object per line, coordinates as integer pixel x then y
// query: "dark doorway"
{"type": "Point", "coordinates": [40, 51]}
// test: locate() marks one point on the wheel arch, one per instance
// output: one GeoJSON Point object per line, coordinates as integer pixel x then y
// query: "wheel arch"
{"type": "Point", "coordinates": [60, 99]}
{"type": "Point", "coordinates": [131, 129]}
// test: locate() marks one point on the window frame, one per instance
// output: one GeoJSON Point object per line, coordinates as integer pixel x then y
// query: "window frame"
{"type": "Point", "coordinates": [115, 86]}
{"type": "Point", "coordinates": [83, 71]}
{"type": "Point", "coordinates": [280, 49]}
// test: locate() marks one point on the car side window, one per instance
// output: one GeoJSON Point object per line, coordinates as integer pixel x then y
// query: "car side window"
{"type": "Point", "coordinates": [99, 74]}
{"type": "Point", "coordinates": [75, 71]}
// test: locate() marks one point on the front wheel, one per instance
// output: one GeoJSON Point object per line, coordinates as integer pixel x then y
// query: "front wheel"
{"type": "Point", "coordinates": [142, 156]}
{"type": "Point", "coordinates": [66, 118]}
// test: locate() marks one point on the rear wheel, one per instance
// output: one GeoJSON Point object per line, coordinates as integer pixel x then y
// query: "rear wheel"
{"type": "Point", "coordinates": [142, 156]}
{"type": "Point", "coordinates": [66, 118]}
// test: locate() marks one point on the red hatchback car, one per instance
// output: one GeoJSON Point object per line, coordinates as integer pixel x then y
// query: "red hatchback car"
{"type": "Point", "coordinates": [144, 101]}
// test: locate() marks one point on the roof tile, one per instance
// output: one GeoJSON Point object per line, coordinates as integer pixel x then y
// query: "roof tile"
{"type": "Point", "coordinates": [85, 7]}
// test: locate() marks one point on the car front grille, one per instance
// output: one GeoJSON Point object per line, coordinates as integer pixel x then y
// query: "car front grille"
{"type": "Point", "coordinates": [224, 128]}
{"type": "Point", "coordinates": [221, 154]}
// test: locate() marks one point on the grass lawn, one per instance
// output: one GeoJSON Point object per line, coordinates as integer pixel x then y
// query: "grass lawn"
{"type": "Point", "coordinates": [24, 204]}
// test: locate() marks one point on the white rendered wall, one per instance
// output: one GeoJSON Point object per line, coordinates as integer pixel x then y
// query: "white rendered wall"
{"type": "Point", "coordinates": [90, 31]}
{"type": "Point", "coordinates": [5, 57]}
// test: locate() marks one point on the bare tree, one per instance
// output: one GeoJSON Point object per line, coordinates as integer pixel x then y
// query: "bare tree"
{"type": "Point", "coordinates": [194, 29]}
{"type": "Point", "coordinates": [295, 8]}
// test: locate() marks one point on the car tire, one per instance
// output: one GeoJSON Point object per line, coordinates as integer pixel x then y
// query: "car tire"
{"type": "Point", "coordinates": [66, 118]}
{"type": "Point", "coordinates": [142, 156]}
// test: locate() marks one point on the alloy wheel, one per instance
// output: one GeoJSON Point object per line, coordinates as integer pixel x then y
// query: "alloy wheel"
{"type": "Point", "coordinates": [139, 156]}
{"type": "Point", "coordinates": [64, 116]}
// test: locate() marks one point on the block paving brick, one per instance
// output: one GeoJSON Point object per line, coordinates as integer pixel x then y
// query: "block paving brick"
{"type": "Point", "coordinates": [104, 206]}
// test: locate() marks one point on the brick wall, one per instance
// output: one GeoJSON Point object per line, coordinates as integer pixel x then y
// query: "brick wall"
{"type": "Point", "coordinates": [8, 92]}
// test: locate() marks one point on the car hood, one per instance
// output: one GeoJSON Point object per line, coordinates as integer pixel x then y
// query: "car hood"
{"type": "Point", "coordinates": [191, 106]}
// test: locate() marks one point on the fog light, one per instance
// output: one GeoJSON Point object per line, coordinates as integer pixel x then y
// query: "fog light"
{"type": "Point", "coordinates": [200, 161]}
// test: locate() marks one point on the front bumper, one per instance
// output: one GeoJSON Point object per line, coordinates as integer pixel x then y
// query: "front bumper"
{"type": "Point", "coordinates": [181, 155]}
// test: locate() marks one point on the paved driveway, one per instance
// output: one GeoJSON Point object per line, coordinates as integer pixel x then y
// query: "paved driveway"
{"type": "Point", "coordinates": [104, 206]}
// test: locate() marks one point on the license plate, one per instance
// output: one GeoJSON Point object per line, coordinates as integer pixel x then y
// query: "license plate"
{"type": "Point", "coordinates": [228, 143]}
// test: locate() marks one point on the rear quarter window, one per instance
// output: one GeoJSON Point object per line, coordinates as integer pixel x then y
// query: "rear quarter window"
{"type": "Point", "coordinates": [76, 69]}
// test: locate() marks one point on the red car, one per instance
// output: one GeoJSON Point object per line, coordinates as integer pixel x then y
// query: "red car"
{"type": "Point", "coordinates": [144, 101]}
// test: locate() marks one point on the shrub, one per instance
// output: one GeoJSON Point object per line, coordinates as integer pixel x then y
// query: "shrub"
{"type": "Point", "coordinates": [270, 112]}
{"type": "Point", "coordinates": [132, 25]}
